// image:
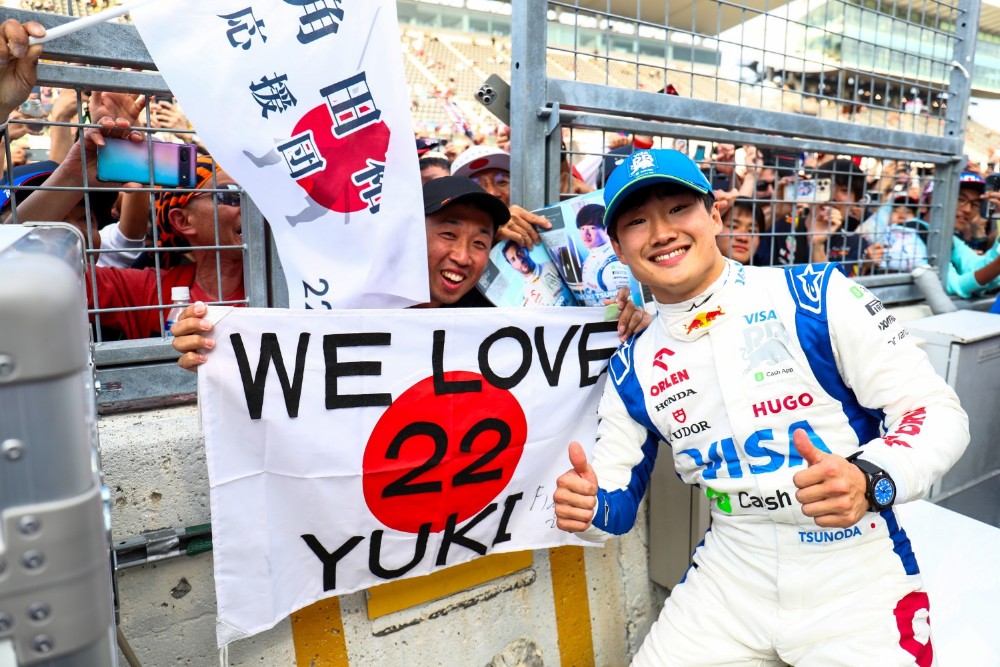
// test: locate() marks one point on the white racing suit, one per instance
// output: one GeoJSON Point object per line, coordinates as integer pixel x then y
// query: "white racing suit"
{"type": "Point", "coordinates": [725, 380]}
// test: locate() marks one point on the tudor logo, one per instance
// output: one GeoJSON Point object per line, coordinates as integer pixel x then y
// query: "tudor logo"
{"type": "Point", "coordinates": [680, 415]}
{"type": "Point", "coordinates": [659, 356]}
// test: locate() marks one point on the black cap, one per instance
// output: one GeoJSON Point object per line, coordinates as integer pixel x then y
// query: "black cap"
{"type": "Point", "coordinates": [448, 190]}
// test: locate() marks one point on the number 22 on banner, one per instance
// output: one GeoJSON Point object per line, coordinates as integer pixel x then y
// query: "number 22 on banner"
{"type": "Point", "coordinates": [310, 290]}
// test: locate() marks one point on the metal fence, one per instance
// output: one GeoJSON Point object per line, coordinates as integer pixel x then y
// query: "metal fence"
{"type": "Point", "coordinates": [111, 57]}
{"type": "Point", "coordinates": [887, 82]}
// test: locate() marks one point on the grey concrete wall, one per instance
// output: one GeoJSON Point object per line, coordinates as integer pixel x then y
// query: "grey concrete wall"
{"type": "Point", "coordinates": [154, 464]}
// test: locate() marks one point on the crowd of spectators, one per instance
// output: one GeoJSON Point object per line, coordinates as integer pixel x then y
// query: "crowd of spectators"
{"type": "Point", "coordinates": [779, 208]}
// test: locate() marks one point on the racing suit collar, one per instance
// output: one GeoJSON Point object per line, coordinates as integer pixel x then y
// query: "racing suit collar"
{"type": "Point", "coordinates": [689, 320]}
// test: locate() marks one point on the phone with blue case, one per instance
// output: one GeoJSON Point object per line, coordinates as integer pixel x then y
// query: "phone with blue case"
{"type": "Point", "coordinates": [123, 161]}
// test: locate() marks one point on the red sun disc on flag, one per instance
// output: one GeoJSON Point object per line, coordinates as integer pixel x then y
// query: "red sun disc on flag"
{"type": "Point", "coordinates": [431, 457]}
{"type": "Point", "coordinates": [333, 187]}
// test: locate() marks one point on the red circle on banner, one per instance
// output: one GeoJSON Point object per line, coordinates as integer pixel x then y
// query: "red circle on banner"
{"type": "Point", "coordinates": [333, 187]}
{"type": "Point", "coordinates": [432, 456]}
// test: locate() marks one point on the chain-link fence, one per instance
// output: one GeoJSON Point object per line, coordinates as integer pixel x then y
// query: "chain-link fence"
{"type": "Point", "coordinates": [143, 238]}
{"type": "Point", "coordinates": [838, 126]}
{"type": "Point", "coordinates": [831, 130]}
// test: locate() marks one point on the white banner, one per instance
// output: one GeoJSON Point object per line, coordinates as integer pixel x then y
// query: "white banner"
{"type": "Point", "coordinates": [305, 104]}
{"type": "Point", "coordinates": [358, 447]}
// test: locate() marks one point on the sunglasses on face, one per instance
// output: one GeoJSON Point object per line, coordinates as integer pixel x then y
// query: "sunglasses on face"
{"type": "Point", "coordinates": [762, 186]}
{"type": "Point", "coordinates": [496, 180]}
{"type": "Point", "coordinates": [228, 196]}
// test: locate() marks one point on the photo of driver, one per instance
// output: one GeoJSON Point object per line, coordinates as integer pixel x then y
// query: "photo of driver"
{"type": "Point", "coordinates": [603, 274]}
{"type": "Point", "coordinates": [542, 286]}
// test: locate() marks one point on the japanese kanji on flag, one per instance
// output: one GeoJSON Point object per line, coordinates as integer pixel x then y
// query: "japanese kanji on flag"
{"type": "Point", "coordinates": [352, 448]}
{"type": "Point", "coordinates": [305, 104]}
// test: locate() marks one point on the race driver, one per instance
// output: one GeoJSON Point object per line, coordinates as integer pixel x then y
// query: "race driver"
{"type": "Point", "coordinates": [603, 274]}
{"type": "Point", "coordinates": [802, 410]}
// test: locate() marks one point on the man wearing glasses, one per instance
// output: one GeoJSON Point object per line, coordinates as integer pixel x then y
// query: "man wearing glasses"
{"type": "Point", "coordinates": [184, 219]}
{"type": "Point", "coordinates": [489, 167]}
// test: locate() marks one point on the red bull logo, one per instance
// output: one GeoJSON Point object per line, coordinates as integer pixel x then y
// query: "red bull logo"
{"type": "Point", "coordinates": [702, 320]}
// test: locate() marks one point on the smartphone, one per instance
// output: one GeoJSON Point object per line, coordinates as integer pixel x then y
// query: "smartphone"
{"type": "Point", "coordinates": [721, 182]}
{"type": "Point", "coordinates": [123, 161]}
{"type": "Point", "coordinates": [699, 153]}
{"type": "Point", "coordinates": [32, 108]}
{"type": "Point", "coordinates": [986, 208]}
{"type": "Point", "coordinates": [494, 94]}
{"type": "Point", "coordinates": [808, 191]}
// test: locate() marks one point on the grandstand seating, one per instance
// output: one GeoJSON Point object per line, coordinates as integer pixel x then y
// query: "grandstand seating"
{"type": "Point", "coordinates": [444, 70]}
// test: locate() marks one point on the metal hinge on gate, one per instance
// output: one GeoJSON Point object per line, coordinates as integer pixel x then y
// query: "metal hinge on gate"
{"type": "Point", "coordinates": [157, 545]}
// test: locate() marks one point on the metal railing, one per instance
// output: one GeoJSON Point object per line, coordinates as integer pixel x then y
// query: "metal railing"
{"type": "Point", "coordinates": [763, 74]}
{"type": "Point", "coordinates": [111, 57]}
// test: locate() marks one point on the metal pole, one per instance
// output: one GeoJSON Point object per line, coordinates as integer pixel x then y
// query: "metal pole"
{"type": "Point", "coordinates": [528, 93]}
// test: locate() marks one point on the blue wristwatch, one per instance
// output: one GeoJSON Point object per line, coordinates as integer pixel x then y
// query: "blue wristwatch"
{"type": "Point", "coordinates": [880, 490]}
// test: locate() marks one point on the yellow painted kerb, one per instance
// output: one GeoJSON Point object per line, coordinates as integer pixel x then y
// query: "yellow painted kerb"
{"type": "Point", "coordinates": [569, 593]}
{"type": "Point", "coordinates": [318, 635]}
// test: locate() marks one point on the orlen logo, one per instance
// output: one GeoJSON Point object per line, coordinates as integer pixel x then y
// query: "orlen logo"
{"type": "Point", "coordinates": [667, 382]}
{"type": "Point", "coordinates": [702, 320]}
{"type": "Point", "coordinates": [777, 405]}
{"type": "Point", "coordinates": [659, 356]}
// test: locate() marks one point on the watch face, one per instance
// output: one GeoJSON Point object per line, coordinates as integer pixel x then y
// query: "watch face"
{"type": "Point", "coordinates": [884, 492]}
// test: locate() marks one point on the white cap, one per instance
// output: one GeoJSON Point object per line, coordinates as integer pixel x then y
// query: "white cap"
{"type": "Point", "coordinates": [479, 158]}
{"type": "Point", "coordinates": [180, 293]}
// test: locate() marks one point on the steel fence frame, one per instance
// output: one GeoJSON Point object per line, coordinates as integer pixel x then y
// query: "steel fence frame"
{"type": "Point", "coordinates": [542, 105]}
{"type": "Point", "coordinates": [142, 371]}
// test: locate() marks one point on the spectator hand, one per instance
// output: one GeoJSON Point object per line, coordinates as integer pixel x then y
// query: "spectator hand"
{"type": "Point", "coordinates": [64, 109]}
{"type": "Point", "coordinates": [521, 228]}
{"type": "Point", "coordinates": [874, 253]}
{"type": "Point", "coordinates": [503, 138]}
{"type": "Point", "coordinates": [575, 496]}
{"type": "Point", "coordinates": [631, 319]}
{"type": "Point", "coordinates": [166, 115]}
{"type": "Point", "coordinates": [93, 137]}
{"type": "Point", "coordinates": [117, 105]}
{"type": "Point", "coordinates": [18, 63]}
{"type": "Point", "coordinates": [191, 336]}
{"type": "Point", "coordinates": [827, 220]}
{"type": "Point", "coordinates": [17, 130]}
{"type": "Point", "coordinates": [831, 489]}
{"type": "Point", "coordinates": [725, 199]}
{"type": "Point", "coordinates": [618, 141]}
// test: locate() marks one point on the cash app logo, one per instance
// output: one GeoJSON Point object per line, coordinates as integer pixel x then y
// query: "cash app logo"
{"type": "Point", "coordinates": [721, 499]}
{"type": "Point", "coordinates": [857, 292]}
{"type": "Point", "coordinates": [758, 376]}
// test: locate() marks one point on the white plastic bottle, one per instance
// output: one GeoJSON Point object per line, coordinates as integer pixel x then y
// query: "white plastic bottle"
{"type": "Point", "coordinates": [180, 296]}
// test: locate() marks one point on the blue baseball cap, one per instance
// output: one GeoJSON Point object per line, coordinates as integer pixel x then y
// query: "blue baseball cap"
{"type": "Point", "coordinates": [649, 167]}
{"type": "Point", "coordinates": [31, 174]}
{"type": "Point", "coordinates": [970, 179]}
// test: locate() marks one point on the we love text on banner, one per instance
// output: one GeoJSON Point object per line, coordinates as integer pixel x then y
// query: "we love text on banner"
{"type": "Point", "coordinates": [358, 447]}
{"type": "Point", "coordinates": [305, 104]}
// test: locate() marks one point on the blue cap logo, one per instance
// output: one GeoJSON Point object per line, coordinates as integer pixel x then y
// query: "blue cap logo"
{"type": "Point", "coordinates": [641, 162]}
{"type": "Point", "coordinates": [649, 167]}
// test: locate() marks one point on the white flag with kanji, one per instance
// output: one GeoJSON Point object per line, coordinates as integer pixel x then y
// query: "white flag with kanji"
{"type": "Point", "coordinates": [305, 104]}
